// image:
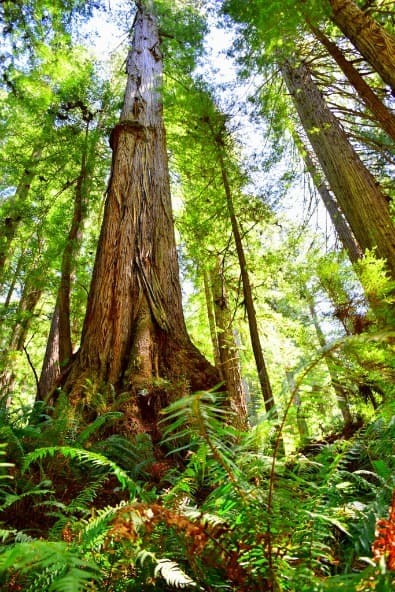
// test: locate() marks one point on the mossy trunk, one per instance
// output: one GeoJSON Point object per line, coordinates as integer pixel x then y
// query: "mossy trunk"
{"type": "Point", "coordinates": [134, 336]}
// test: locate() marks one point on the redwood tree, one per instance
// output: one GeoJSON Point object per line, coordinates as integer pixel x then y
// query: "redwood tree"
{"type": "Point", "coordinates": [134, 335]}
{"type": "Point", "coordinates": [361, 200]}
{"type": "Point", "coordinates": [373, 42]}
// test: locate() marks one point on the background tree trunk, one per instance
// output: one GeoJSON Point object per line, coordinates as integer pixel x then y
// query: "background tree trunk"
{"type": "Point", "coordinates": [228, 353]}
{"type": "Point", "coordinates": [382, 114]}
{"type": "Point", "coordinates": [50, 371]}
{"type": "Point", "coordinates": [13, 208]}
{"type": "Point", "coordinates": [59, 345]}
{"type": "Point", "coordinates": [27, 304]}
{"type": "Point", "coordinates": [373, 42]}
{"type": "Point", "coordinates": [340, 391]}
{"type": "Point", "coordinates": [263, 375]}
{"type": "Point", "coordinates": [357, 192]}
{"type": "Point", "coordinates": [340, 224]}
{"type": "Point", "coordinates": [211, 317]}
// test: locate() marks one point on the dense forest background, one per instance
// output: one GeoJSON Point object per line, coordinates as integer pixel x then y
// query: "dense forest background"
{"type": "Point", "coordinates": [197, 266]}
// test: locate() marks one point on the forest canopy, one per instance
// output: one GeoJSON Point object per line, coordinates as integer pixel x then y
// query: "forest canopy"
{"type": "Point", "coordinates": [197, 289]}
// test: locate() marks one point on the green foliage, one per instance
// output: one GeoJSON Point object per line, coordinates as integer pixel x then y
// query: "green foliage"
{"type": "Point", "coordinates": [84, 507]}
{"type": "Point", "coordinates": [82, 456]}
{"type": "Point", "coordinates": [229, 516]}
{"type": "Point", "coordinates": [45, 565]}
{"type": "Point", "coordinates": [272, 27]}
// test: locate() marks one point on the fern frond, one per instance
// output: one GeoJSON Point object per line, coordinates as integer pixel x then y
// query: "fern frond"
{"type": "Point", "coordinates": [202, 415]}
{"type": "Point", "coordinates": [132, 455]}
{"type": "Point", "coordinates": [6, 534]}
{"type": "Point", "coordinates": [83, 457]}
{"type": "Point", "coordinates": [169, 570]}
{"type": "Point", "coordinates": [66, 568]}
{"type": "Point", "coordinates": [96, 528]}
{"type": "Point", "coordinates": [38, 490]}
{"type": "Point", "coordinates": [173, 574]}
{"type": "Point", "coordinates": [96, 425]}
{"type": "Point", "coordinates": [74, 580]}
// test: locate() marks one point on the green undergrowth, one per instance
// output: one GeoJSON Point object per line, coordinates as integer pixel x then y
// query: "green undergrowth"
{"type": "Point", "coordinates": [81, 512]}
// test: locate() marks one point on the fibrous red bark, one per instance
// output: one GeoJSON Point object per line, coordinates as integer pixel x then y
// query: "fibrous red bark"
{"type": "Point", "coordinates": [134, 335]}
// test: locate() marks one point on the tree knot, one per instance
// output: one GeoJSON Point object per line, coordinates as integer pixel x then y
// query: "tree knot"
{"type": "Point", "coordinates": [129, 126]}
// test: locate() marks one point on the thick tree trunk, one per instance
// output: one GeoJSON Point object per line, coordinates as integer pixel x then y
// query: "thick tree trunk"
{"type": "Point", "coordinates": [134, 335]}
{"type": "Point", "coordinates": [357, 192]}
{"type": "Point", "coordinates": [382, 114]}
{"type": "Point", "coordinates": [373, 42]}
{"type": "Point", "coordinates": [228, 353]}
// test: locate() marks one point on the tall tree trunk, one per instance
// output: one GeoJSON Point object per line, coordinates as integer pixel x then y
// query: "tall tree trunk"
{"type": "Point", "coordinates": [340, 391]}
{"type": "Point", "coordinates": [134, 335]}
{"type": "Point", "coordinates": [357, 192]}
{"type": "Point", "coordinates": [263, 375]}
{"type": "Point", "coordinates": [28, 302]}
{"type": "Point", "coordinates": [50, 371]}
{"type": "Point", "coordinates": [339, 222]}
{"type": "Point", "coordinates": [59, 344]}
{"type": "Point", "coordinates": [69, 256]}
{"type": "Point", "coordinates": [373, 42]}
{"type": "Point", "coordinates": [228, 353]}
{"type": "Point", "coordinates": [211, 317]}
{"type": "Point", "coordinates": [382, 114]}
{"type": "Point", "coordinates": [13, 208]}
{"type": "Point", "coordinates": [301, 422]}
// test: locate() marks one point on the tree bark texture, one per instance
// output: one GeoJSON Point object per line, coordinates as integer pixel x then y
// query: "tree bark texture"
{"type": "Point", "coordinates": [358, 194]}
{"type": "Point", "coordinates": [373, 42]}
{"type": "Point", "coordinates": [228, 353]}
{"type": "Point", "coordinates": [134, 334]}
{"type": "Point", "coordinates": [384, 117]}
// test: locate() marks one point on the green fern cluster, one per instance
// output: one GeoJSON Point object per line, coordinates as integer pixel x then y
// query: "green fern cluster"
{"type": "Point", "coordinates": [224, 514]}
